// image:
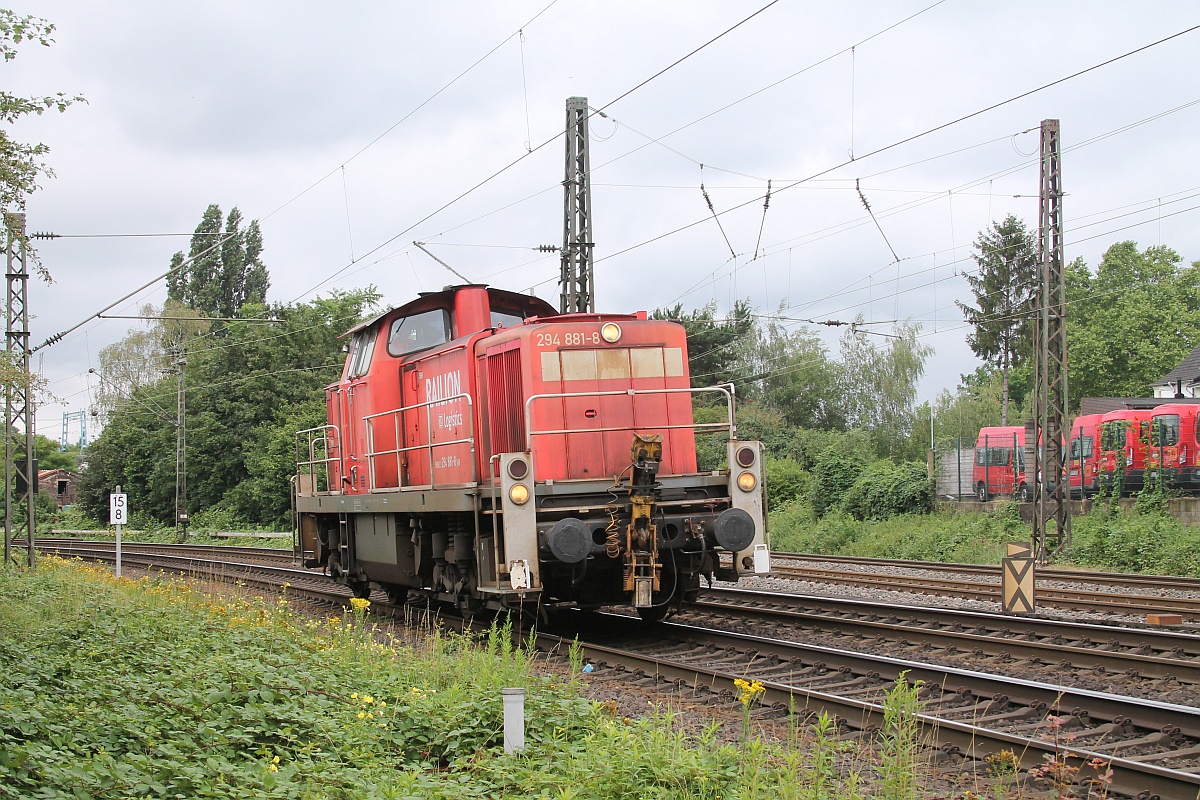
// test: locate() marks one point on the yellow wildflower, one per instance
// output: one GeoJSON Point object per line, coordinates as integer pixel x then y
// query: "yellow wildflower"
{"type": "Point", "coordinates": [354, 695]}
{"type": "Point", "coordinates": [748, 691]}
{"type": "Point", "coordinates": [362, 715]}
{"type": "Point", "coordinates": [360, 603]}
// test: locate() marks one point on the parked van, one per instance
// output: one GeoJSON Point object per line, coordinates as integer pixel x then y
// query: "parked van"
{"type": "Point", "coordinates": [1000, 463]}
{"type": "Point", "coordinates": [1123, 437]}
{"type": "Point", "coordinates": [1173, 447]}
{"type": "Point", "coordinates": [1084, 454]}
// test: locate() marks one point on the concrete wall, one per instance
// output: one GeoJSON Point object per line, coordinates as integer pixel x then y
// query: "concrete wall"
{"type": "Point", "coordinates": [1184, 509]}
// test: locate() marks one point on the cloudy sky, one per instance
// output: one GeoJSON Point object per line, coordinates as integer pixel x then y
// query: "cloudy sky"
{"type": "Point", "coordinates": [352, 129]}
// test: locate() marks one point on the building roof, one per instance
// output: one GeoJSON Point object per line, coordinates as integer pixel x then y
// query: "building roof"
{"type": "Point", "coordinates": [45, 473]}
{"type": "Point", "coordinates": [1188, 370]}
{"type": "Point", "coordinates": [1102, 405]}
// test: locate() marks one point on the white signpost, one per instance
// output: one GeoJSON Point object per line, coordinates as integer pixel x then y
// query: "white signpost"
{"type": "Point", "coordinates": [118, 514]}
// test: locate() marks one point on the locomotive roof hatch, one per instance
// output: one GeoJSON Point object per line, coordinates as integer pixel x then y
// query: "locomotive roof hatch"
{"type": "Point", "coordinates": [528, 305]}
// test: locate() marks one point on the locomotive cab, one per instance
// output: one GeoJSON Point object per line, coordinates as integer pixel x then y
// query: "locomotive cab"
{"type": "Point", "coordinates": [483, 449]}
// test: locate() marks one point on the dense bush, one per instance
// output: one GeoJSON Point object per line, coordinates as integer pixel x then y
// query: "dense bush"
{"type": "Point", "coordinates": [1135, 542]}
{"type": "Point", "coordinates": [786, 482]}
{"type": "Point", "coordinates": [885, 489]}
{"type": "Point", "coordinates": [836, 469]}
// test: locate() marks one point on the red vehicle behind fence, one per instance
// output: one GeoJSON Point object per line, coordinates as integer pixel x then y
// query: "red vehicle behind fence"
{"type": "Point", "coordinates": [1085, 455]}
{"type": "Point", "coordinates": [1173, 447]}
{"type": "Point", "coordinates": [1123, 436]}
{"type": "Point", "coordinates": [1000, 463]}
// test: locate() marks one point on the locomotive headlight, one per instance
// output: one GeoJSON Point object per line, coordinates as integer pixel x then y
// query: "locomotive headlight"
{"type": "Point", "coordinates": [519, 494]}
{"type": "Point", "coordinates": [610, 332]}
{"type": "Point", "coordinates": [746, 481]}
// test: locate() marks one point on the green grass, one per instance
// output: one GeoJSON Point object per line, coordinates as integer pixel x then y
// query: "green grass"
{"type": "Point", "coordinates": [942, 536]}
{"type": "Point", "coordinates": [117, 688]}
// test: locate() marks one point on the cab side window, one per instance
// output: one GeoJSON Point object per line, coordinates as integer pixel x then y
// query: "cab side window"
{"type": "Point", "coordinates": [419, 332]}
{"type": "Point", "coordinates": [506, 319]}
{"type": "Point", "coordinates": [361, 350]}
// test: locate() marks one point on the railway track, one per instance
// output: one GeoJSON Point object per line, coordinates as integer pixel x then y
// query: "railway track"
{"type": "Point", "coordinates": [1106, 598]}
{"type": "Point", "coordinates": [1162, 659]}
{"type": "Point", "coordinates": [1117, 580]}
{"type": "Point", "coordinates": [793, 566]}
{"type": "Point", "coordinates": [1153, 748]}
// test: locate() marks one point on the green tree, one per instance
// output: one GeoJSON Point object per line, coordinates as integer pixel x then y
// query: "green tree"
{"type": "Point", "coordinates": [1004, 290]}
{"type": "Point", "coordinates": [21, 164]}
{"type": "Point", "coordinates": [974, 403]}
{"type": "Point", "coordinates": [717, 348]}
{"type": "Point", "coordinates": [224, 270]}
{"type": "Point", "coordinates": [1132, 322]}
{"type": "Point", "coordinates": [880, 385]}
{"type": "Point", "coordinates": [793, 373]}
{"type": "Point", "coordinates": [143, 357]}
{"type": "Point", "coordinates": [246, 397]}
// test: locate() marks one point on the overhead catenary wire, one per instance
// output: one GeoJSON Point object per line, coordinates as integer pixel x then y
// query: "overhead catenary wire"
{"type": "Point", "coordinates": [934, 195]}
{"type": "Point", "coordinates": [911, 138]}
{"type": "Point", "coordinates": [552, 139]}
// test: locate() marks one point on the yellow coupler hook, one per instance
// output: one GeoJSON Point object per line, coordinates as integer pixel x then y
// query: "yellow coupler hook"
{"type": "Point", "coordinates": [642, 570]}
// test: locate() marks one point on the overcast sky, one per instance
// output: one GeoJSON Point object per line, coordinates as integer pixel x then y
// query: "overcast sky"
{"type": "Point", "coordinates": [308, 116]}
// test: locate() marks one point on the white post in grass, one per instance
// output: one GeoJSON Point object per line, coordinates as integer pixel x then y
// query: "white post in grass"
{"type": "Point", "coordinates": [514, 719]}
{"type": "Point", "coordinates": [118, 514]}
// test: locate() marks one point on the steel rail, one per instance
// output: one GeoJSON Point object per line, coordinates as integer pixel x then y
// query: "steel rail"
{"type": "Point", "coordinates": [1118, 579]}
{"type": "Point", "coordinates": [1115, 649]}
{"type": "Point", "coordinates": [1100, 601]}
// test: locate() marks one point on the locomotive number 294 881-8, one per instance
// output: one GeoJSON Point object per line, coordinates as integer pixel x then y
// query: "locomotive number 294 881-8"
{"type": "Point", "coordinates": [568, 339]}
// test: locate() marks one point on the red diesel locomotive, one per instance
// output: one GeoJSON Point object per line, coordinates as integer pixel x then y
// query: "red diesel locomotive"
{"type": "Point", "coordinates": [485, 450]}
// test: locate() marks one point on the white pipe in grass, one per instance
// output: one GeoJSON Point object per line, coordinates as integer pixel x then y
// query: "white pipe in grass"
{"type": "Point", "coordinates": [514, 719]}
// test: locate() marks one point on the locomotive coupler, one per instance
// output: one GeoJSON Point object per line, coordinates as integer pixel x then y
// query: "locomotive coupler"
{"type": "Point", "coordinates": [643, 572]}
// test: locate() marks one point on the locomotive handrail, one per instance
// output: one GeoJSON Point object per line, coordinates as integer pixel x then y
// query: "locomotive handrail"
{"type": "Point", "coordinates": [396, 413]}
{"type": "Point", "coordinates": [312, 462]}
{"type": "Point", "coordinates": [723, 389]}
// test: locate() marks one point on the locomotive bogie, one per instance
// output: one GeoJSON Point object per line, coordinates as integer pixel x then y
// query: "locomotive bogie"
{"type": "Point", "coordinates": [480, 448]}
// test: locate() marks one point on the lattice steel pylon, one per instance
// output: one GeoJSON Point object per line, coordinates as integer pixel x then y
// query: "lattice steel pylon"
{"type": "Point", "coordinates": [1052, 488]}
{"type": "Point", "coordinates": [18, 394]}
{"type": "Point", "coordinates": [68, 418]}
{"type": "Point", "coordinates": [578, 279]}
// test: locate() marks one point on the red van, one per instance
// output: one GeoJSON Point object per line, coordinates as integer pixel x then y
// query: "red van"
{"type": "Point", "coordinates": [1000, 463]}
{"type": "Point", "coordinates": [1123, 436]}
{"type": "Point", "coordinates": [1173, 446]}
{"type": "Point", "coordinates": [1085, 455]}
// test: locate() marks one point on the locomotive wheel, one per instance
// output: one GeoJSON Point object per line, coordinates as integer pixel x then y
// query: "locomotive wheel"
{"type": "Point", "coordinates": [397, 595]}
{"type": "Point", "coordinates": [981, 492]}
{"type": "Point", "coordinates": [654, 613]}
{"type": "Point", "coordinates": [1023, 493]}
{"type": "Point", "coordinates": [361, 589]}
